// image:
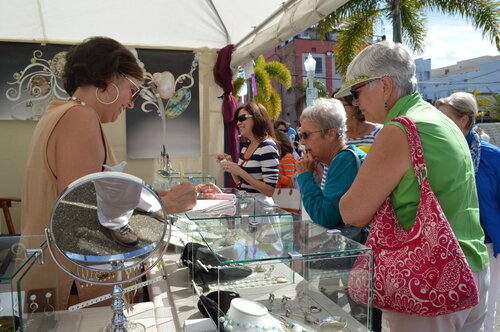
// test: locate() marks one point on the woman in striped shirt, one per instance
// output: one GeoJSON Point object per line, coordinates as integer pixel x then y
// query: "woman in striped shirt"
{"type": "Point", "coordinates": [257, 167]}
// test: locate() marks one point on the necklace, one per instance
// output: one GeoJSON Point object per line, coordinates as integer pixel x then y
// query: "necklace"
{"type": "Point", "coordinates": [229, 324]}
{"type": "Point", "coordinates": [78, 100]}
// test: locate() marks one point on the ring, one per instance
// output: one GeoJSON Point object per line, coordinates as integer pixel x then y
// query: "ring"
{"type": "Point", "coordinates": [314, 309]}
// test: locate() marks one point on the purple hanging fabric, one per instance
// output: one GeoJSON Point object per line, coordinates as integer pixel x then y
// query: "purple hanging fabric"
{"type": "Point", "coordinates": [223, 76]}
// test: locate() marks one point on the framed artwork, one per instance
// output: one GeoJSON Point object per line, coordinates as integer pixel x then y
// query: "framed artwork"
{"type": "Point", "coordinates": [167, 111]}
{"type": "Point", "coordinates": [30, 76]}
{"type": "Point", "coordinates": [165, 117]}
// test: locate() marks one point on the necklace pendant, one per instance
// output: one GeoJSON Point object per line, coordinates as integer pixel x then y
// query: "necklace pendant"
{"type": "Point", "coordinates": [78, 100]}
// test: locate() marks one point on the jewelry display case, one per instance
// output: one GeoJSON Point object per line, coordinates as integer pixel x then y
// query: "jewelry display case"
{"type": "Point", "coordinates": [296, 270]}
{"type": "Point", "coordinates": [165, 181]}
{"type": "Point", "coordinates": [27, 285]}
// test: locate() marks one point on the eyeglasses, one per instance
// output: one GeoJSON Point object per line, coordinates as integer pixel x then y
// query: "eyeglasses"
{"type": "Point", "coordinates": [135, 93]}
{"type": "Point", "coordinates": [355, 93]}
{"type": "Point", "coordinates": [243, 117]}
{"type": "Point", "coordinates": [305, 135]}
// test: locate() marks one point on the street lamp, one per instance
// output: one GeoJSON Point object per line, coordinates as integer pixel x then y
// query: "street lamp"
{"type": "Point", "coordinates": [311, 92]}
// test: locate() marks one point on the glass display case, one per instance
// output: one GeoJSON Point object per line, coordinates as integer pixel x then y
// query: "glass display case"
{"type": "Point", "coordinates": [24, 306]}
{"type": "Point", "coordinates": [297, 271]}
{"type": "Point", "coordinates": [165, 181]}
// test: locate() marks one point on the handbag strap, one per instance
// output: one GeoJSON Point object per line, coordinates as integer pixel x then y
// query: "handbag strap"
{"type": "Point", "coordinates": [358, 162]}
{"type": "Point", "coordinates": [416, 150]}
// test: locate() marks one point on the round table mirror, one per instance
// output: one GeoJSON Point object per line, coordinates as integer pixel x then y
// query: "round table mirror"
{"type": "Point", "coordinates": [84, 234]}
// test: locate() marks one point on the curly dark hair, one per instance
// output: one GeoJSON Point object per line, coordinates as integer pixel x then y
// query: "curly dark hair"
{"type": "Point", "coordinates": [95, 61]}
{"type": "Point", "coordinates": [262, 123]}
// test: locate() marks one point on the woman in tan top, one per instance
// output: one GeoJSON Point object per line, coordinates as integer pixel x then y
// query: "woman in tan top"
{"type": "Point", "coordinates": [103, 78]}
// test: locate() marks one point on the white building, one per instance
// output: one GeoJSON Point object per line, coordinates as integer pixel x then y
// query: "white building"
{"type": "Point", "coordinates": [482, 74]}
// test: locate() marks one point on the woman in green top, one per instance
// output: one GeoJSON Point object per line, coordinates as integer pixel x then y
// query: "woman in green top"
{"type": "Point", "coordinates": [382, 81]}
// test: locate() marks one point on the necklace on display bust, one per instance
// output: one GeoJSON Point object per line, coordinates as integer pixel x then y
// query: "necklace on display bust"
{"type": "Point", "coordinates": [78, 100]}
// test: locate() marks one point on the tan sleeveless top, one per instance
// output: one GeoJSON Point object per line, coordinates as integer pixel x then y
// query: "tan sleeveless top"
{"type": "Point", "coordinates": [40, 184]}
{"type": "Point", "coordinates": [38, 198]}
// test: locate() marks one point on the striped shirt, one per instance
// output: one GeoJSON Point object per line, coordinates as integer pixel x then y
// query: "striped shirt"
{"type": "Point", "coordinates": [365, 142]}
{"type": "Point", "coordinates": [262, 164]}
{"type": "Point", "coordinates": [287, 171]}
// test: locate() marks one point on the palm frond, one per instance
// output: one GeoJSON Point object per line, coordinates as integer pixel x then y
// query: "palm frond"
{"type": "Point", "coordinates": [274, 105]}
{"type": "Point", "coordinates": [494, 107]}
{"type": "Point", "coordinates": [237, 84]}
{"type": "Point", "coordinates": [263, 83]}
{"type": "Point", "coordinates": [260, 61]}
{"type": "Point", "coordinates": [352, 38]}
{"type": "Point", "coordinates": [413, 26]}
{"type": "Point", "coordinates": [280, 72]}
{"type": "Point", "coordinates": [484, 15]}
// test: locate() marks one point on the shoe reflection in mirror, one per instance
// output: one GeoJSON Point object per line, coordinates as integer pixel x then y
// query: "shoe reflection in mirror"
{"type": "Point", "coordinates": [124, 236]}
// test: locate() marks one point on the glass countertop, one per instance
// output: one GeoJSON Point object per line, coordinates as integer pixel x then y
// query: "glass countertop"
{"type": "Point", "coordinates": [271, 237]}
{"type": "Point", "coordinates": [246, 207]}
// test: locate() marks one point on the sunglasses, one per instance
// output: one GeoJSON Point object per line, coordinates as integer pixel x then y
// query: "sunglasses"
{"type": "Point", "coordinates": [305, 135]}
{"type": "Point", "coordinates": [135, 93]}
{"type": "Point", "coordinates": [243, 117]}
{"type": "Point", "coordinates": [355, 93]}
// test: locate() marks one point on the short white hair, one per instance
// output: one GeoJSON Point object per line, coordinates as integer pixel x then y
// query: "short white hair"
{"type": "Point", "coordinates": [327, 114]}
{"type": "Point", "coordinates": [463, 103]}
{"type": "Point", "coordinates": [386, 58]}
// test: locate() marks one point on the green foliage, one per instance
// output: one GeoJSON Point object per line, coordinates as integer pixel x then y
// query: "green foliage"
{"type": "Point", "coordinates": [237, 84]}
{"type": "Point", "coordinates": [301, 101]}
{"type": "Point", "coordinates": [266, 94]}
{"type": "Point", "coordinates": [493, 108]}
{"type": "Point", "coordinates": [354, 22]}
{"type": "Point", "coordinates": [280, 72]}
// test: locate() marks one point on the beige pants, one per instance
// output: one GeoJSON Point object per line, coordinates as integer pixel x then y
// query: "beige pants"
{"type": "Point", "coordinates": [469, 320]}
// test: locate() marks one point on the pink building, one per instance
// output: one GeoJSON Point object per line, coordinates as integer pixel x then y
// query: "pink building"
{"type": "Point", "coordinates": [293, 54]}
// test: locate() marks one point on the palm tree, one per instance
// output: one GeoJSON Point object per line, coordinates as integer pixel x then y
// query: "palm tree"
{"type": "Point", "coordinates": [493, 108]}
{"type": "Point", "coordinates": [354, 22]}
{"type": "Point", "coordinates": [266, 94]}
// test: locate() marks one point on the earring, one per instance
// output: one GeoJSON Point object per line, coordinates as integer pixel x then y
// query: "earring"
{"type": "Point", "coordinates": [110, 102]}
{"type": "Point", "coordinates": [49, 308]}
{"type": "Point", "coordinates": [385, 105]}
{"type": "Point", "coordinates": [33, 304]}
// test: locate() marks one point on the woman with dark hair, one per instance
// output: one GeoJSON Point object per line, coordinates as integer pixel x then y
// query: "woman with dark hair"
{"type": "Point", "coordinates": [257, 167]}
{"type": "Point", "coordinates": [103, 79]}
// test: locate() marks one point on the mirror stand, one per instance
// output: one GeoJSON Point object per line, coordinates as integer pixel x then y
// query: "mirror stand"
{"type": "Point", "coordinates": [119, 322]}
{"type": "Point", "coordinates": [83, 247]}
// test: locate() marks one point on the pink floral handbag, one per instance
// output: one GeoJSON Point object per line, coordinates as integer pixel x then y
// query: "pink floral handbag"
{"type": "Point", "coordinates": [420, 270]}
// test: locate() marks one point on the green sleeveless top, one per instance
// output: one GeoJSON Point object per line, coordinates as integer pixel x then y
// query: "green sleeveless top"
{"type": "Point", "coordinates": [451, 177]}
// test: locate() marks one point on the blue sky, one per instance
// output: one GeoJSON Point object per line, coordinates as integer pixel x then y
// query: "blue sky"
{"type": "Point", "coordinates": [450, 39]}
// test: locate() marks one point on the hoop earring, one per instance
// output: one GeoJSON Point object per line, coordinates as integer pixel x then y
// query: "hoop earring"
{"type": "Point", "coordinates": [110, 102]}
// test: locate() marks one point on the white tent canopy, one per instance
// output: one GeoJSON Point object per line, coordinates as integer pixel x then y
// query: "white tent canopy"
{"type": "Point", "coordinates": [203, 26]}
{"type": "Point", "coordinates": [253, 26]}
